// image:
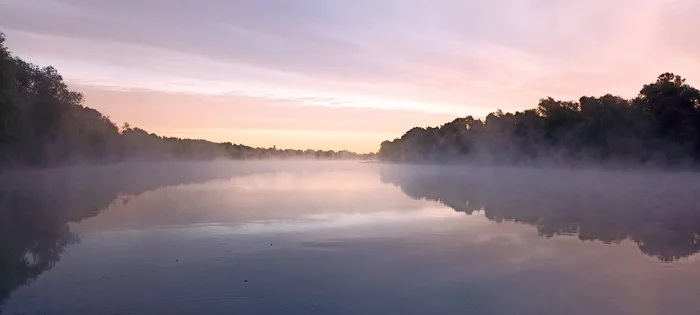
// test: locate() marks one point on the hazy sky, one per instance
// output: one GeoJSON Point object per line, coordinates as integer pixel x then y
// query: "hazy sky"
{"type": "Point", "coordinates": [333, 74]}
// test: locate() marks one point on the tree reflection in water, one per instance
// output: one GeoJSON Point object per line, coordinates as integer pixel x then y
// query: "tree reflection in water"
{"type": "Point", "coordinates": [658, 211]}
{"type": "Point", "coordinates": [37, 206]}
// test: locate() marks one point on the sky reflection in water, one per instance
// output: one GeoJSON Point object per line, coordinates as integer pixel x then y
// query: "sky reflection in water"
{"type": "Point", "coordinates": [348, 238]}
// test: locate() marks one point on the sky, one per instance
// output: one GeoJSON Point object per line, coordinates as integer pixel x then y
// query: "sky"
{"type": "Point", "coordinates": [345, 74]}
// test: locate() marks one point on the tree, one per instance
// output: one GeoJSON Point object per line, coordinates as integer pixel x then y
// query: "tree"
{"type": "Point", "coordinates": [9, 113]}
{"type": "Point", "coordinates": [661, 125]}
{"type": "Point", "coordinates": [44, 123]}
{"type": "Point", "coordinates": [674, 108]}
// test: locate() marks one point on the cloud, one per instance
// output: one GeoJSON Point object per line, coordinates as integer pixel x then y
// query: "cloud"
{"type": "Point", "coordinates": [434, 56]}
{"type": "Point", "coordinates": [170, 110]}
{"type": "Point", "coordinates": [256, 121]}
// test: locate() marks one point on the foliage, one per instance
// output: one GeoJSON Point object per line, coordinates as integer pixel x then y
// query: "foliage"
{"type": "Point", "coordinates": [661, 126]}
{"type": "Point", "coordinates": [44, 123]}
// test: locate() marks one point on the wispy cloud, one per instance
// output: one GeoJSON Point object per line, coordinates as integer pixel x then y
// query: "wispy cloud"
{"type": "Point", "coordinates": [435, 56]}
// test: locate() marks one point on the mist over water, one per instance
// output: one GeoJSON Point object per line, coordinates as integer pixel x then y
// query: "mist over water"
{"type": "Point", "coordinates": [301, 237]}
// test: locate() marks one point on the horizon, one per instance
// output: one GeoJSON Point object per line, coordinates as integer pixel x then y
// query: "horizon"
{"type": "Point", "coordinates": [344, 75]}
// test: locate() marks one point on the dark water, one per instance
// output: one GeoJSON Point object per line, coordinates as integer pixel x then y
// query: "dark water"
{"type": "Point", "coordinates": [347, 238]}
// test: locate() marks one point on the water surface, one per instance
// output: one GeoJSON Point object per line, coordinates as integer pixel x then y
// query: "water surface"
{"type": "Point", "coordinates": [347, 238]}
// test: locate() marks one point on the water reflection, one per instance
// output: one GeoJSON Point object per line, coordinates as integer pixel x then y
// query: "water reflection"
{"type": "Point", "coordinates": [32, 239]}
{"type": "Point", "coordinates": [657, 211]}
{"type": "Point", "coordinates": [183, 237]}
{"type": "Point", "coordinates": [36, 206]}
{"type": "Point", "coordinates": [265, 202]}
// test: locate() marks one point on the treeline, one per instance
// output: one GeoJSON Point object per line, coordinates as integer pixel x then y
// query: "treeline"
{"type": "Point", "coordinates": [660, 126]}
{"type": "Point", "coordinates": [44, 123]}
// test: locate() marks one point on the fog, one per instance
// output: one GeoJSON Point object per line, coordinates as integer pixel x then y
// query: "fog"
{"type": "Point", "coordinates": [656, 210]}
{"type": "Point", "coordinates": [37, 205]}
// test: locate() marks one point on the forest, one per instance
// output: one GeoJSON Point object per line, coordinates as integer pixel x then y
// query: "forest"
{"type": "Point", "coordinates": [45, 124]}
{"type": "Point", "coordinates": [661, 126]}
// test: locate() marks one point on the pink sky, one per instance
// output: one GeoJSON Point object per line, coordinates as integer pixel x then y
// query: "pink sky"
{"type": "Point", "coordinates": [336, 74]}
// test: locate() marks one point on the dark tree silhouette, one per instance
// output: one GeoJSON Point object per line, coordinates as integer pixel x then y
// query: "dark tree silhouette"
{"type": "Point", "coordinates": [44, 123]}
{"type": "Point", "coordinates": [660, 126]}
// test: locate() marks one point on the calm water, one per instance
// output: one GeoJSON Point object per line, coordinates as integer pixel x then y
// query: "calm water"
{"type": "Point", "coordinates": [347, 238]}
